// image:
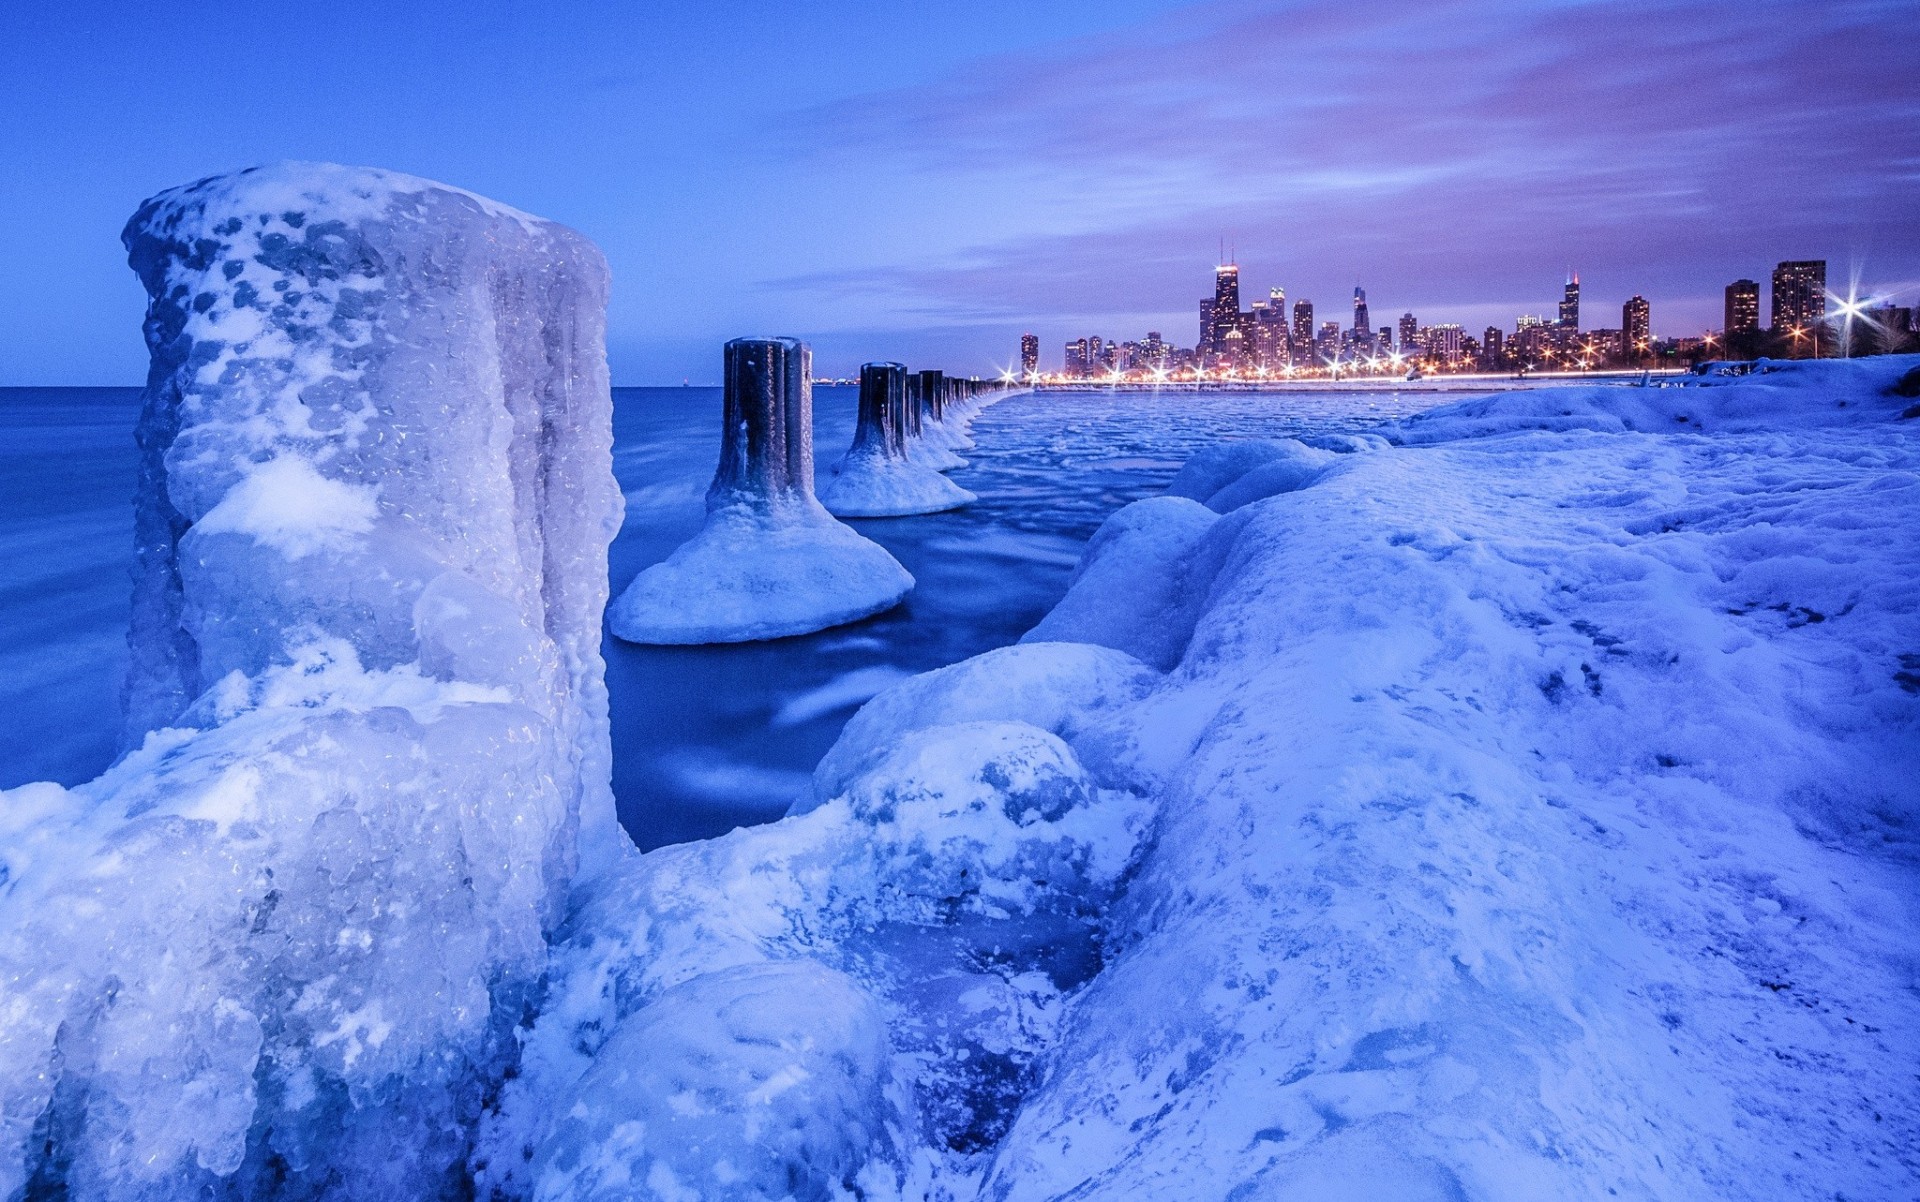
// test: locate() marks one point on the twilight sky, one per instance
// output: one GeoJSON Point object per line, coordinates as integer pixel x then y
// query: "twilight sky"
{"type": "Point", "coordinates": [925, 181]}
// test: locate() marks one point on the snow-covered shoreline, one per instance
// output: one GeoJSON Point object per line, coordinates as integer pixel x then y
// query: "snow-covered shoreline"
{"type": "Point", "coordinates": [1514, 802]}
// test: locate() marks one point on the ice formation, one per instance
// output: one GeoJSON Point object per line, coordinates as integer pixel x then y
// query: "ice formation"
{"type": "Point", "coordinates": [771, 561]}
{"type": "Point", "coordinates": [1514, 805]}
{"type": "Point", "coordinates": [929, 443]}
{"type": "Point", "coordinates": [281, 948]}
{"type": "Point", "coordinates": [876, 478]}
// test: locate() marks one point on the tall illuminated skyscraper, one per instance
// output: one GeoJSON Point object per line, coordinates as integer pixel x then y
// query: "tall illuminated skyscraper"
{"type": "Point", "coordinates": [1409, 333]}
{"type": "Point", "coordinates": [1800, 303]}
{"type": "Point", "coordinates": [1636, 328]}
{"type": "Point", "coordinates": [1362, 326]}
{"type": "Point", "coordinates": [1303, 329]}
{"type": "Point", "coordinates": [1743, 307]}
{"type": "Point", "coordinates": [1029, 354]}
{"type": "Point", "coordinates": [1570, 303]}
{"type": "Point", "coordinates": [1222, 313]}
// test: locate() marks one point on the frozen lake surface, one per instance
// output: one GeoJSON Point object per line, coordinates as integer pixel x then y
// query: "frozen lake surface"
{"type": "Point", "coordinates": [705, 738]}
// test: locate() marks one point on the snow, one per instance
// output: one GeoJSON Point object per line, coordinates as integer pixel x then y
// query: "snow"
{"type": "Point", "coordinates": [876, 477]}
{"type": "Point", "coordinates": [1515, 802]}
{"type": "Point", "coordinates": [770, 562]}
{"type": "Point", "coordinates": [289, 934]}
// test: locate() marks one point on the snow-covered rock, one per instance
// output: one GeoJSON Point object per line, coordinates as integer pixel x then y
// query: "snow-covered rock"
{"type": "Point", "coordinates": [949, 890]}
{"type": "Point", "coordinates": [770, 561]}
{"type": "Point", "coordinates": [875, 478]}
{"type": "Point", "coordinates": [282, 946]}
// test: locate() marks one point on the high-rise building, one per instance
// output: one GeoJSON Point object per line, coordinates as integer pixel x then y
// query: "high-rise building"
{"type": "Point", "coordinates": [1076, 357]}
{"type": "Point", "coordinates": [1570, 303]}
{"type": "Point", "coordinates": [1493, 349]}
{"type": "Point", "coordinates": [1362, 325]}
{"type": "Point", "coordinates": [1303, 331]}
{"type": "Point", "coordinates": [1029, 355]}
{"type": "Point", "coordinates": [1636, 329]}
{"type": "Point", "coordinates": [1409, 333]}
{"type": "Point", "coordinates": [1327, 345]}
{"type": "Point", "coordinates": [1443, 341]}
{"type": "Point", "coordinates": [1800, 304]}
{"type": "Point", "coordinates": [1222, 312]}
{"type": "Point", "coordinates": [1154, 350]}
{"type": "Point", "coordinates": [1096, 353]}
{"type": "Point", "coordinates": [1743, 307]}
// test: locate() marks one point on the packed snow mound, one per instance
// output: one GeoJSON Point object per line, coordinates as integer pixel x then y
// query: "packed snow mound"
{"type": "Point", "coordinates": [771, 561]}
{"type": "Point", "coordinates": [1731, 398]}
{"type": "Point", "coordinates": [1540, 826]}
{"type": "Point", "coordinates": [282, 946]}
{"type": "Point", "coordinates": [760, 574]}
{"type": "Point", "coordinates": [941, 907]}
{"type": "Point", "coordinates": [757, 1083]}
{"type": "Point", "coordinates": [871, 486]}
{"type": "Point", "coordinates": [1238, 473]}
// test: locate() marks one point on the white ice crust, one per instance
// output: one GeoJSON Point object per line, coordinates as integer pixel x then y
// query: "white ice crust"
{"type": "Point", "coordinates": [1512, 805]}
{"type": "Point", "coordinates": [760, 573]}
{"type": "Point", "coordinates": [281, 947]}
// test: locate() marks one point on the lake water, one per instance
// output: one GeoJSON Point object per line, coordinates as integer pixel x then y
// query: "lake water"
{"type": "Point", "coordinates": [705, 738]}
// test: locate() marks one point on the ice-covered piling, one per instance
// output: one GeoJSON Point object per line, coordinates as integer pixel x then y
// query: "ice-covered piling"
{"type": "Point", "coordinates": [876, 478]}
{"type": "Point", "coordinates": [770, 561]}
{"type": "Point", "coordinates": [281, 948]}
{"type": "Point", "coordinates": [929, 441]}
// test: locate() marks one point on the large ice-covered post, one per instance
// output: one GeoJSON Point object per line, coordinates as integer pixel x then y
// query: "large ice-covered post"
{"type": "Point", "coordinates": [933, 391]}
{"type": "Point", "coordinates": [766, 447]}
{"type": "Point", "coordinates": [282, 946]}
{"type": "Point", "coordinates": [876, 478]}
{"type": "Point", "coordinates": [771, 561]}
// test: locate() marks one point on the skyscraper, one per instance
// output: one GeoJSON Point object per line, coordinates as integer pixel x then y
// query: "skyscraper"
{"type": "Point", "coordinates": [1743, 307]}
{"type": "Point", "coordinates": [1362, 326]}
{"type": "Point", "coordinates": [1303, 331]}
{"type": "Point", "coordinates": [1409, 333]}
{"type": "Point", "coordinates": [1222, 313]}
{"type": "Point", "coordinates": [1029, 355]}
{"type": "Point", "coordinates": [1636, 328]}
{"type": "Point", "coordinates": [1800, 303]}
{"type": "Point", "coordinates": [1492, 351]}
{"type": "Point", "coordinates": [1570, 303]}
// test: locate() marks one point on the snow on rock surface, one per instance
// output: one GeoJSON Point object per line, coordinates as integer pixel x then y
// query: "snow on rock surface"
{"type": "Point", "coordinates": [876, 478]}
{"type": "Point", "coordinates": [771, 561]}
{"type": "Point", "coordinates": [282, 946]}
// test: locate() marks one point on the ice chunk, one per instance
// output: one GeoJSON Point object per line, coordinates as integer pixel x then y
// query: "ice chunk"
{"type": "Point", "coordinates": [1141, 584]}
{"type": "Point", "coordinates": [770, 562]}
{"type": "Point", "coordinates": [757, 1083]}
{"type": "Point", "coordinates": [281, 947]}
{"type": "Point", "coordinates": [1233, 474]}
{"type": "Point", "coordinates": [876, 478]}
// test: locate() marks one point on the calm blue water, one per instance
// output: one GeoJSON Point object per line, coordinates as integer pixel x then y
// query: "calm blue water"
{"type": "Point", "coordinates": [705, 738]}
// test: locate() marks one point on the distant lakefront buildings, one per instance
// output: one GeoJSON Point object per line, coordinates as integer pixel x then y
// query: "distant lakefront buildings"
{"type": "Point", "coordinates": [1268, 341]}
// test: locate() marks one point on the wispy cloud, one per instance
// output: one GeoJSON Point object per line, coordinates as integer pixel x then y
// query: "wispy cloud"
{"type": "Point", "coordinates": [1454, 152]}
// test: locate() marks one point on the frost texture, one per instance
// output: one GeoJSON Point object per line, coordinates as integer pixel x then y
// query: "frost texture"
{"type": "Point", "coordinates": [281, 947]}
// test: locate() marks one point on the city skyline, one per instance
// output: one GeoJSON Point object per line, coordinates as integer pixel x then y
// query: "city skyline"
{"type": "Point", "coordinates": [924, 184]}
{"type": "Point", "coordinates": [1805, 318]}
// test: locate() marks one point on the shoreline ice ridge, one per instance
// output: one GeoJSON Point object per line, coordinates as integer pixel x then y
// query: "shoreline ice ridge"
{"type": "Point", "coordinates": [1511, 803]}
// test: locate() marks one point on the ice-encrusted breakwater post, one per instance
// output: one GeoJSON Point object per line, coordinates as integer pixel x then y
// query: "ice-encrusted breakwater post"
{"type": "Point", "coordinates": [282, 947]}
{"type": "Point", "coordinates": [770, 561]}
{"type": "Point", "coordinates": [876, 478]}
{"type": "Point", "coordinates": [929, 440]}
